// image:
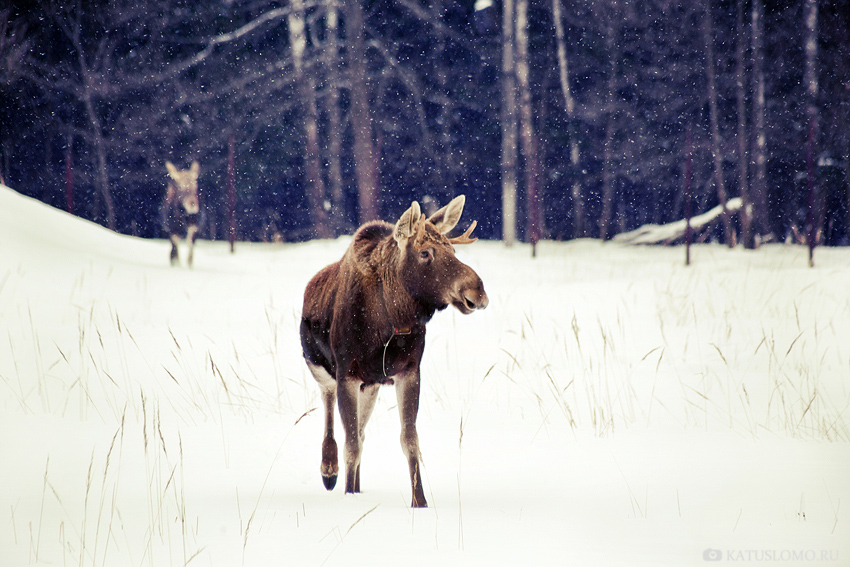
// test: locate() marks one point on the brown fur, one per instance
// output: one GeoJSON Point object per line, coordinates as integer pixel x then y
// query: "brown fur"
{"type": "Point", "coordinates": [363, 324]}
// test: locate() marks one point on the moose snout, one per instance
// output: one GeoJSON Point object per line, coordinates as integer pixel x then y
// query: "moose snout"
{"type": "Point", "coordinates": [191, 206]}
{"type": "Point", "coordinates": [476, 299]}
{"type": "Point", "coordinates": [470, 298]}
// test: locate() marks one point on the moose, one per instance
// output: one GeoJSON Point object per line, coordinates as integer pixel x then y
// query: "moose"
{"type": "Point", "coordinates": [181, 210]}
{"type": "Point", "coordinates": [363, 325]}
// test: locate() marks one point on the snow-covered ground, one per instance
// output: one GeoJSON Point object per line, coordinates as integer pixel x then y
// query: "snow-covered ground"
{"type": "Point", "coordinates": [610, 407]}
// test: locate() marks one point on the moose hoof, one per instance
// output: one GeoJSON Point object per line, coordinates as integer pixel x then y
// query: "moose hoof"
{"type": "Point", "coordinates": [329, 481]}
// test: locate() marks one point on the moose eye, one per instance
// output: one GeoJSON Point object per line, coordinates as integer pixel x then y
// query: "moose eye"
{"type": "Point", "coordinates": [426, 255]}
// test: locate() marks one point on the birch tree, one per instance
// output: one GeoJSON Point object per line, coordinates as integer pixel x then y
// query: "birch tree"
{"type": "Point", "coordinates": [610, 111]}
{"type": "Point", "coordinates": [315, 186]}
{"type": "Point", "coordinates": [579, 229]}
{"type": "Point", "coordinates": [810, 14]}
{"type": "Point", "coordinates": [528, 136]}
{"type": "Point", "coordinates": [716, 141]}
{"type": "Point", "coordinates": [334, 156]}
{"type": "Point", "coordinates": [509, 126]}
{"type": "Point", "coordinates": [759, 137]}
{"type": "Point", "coordinates": [365, 159]}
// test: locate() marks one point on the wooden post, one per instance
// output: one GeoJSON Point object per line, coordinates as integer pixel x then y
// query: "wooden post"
{"type": "Point", "coordinates": [231, 194]}
{"type": "Point", "coordinates": [533, 189]}
{"type": "Point", "coordinates": [811, 229]}
{"type": "Point", "coordinates": [810, 10]}
{"type": "Point", "coordinates": [69, 182]}
{"type": "Point", "coordinates": [688, 153]}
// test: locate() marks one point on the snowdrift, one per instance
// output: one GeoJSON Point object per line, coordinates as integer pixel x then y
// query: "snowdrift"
{"type": "Point", "coordinates": [610, 407]}
{"type": "Point", "coordinates": [50, 230]}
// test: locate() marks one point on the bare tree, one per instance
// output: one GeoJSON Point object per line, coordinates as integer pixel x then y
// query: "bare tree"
{"type": "Point", "coordinates": [759, 137]}
{"type": "Point", "coordinates": [365, 158]}
{"type": "Point", "coordinates": [579, 229]}
{"type": "Point", "coordinates": [87, 91]}
{"type": "Point", "coordinates": [716, 142]}
{"type": "Point", "coordinates": [810, 14]}
{"type": "Point", "coordinates": [610, 117]}
{"type": "Point", "coordinates": [332, 64]}
{"type": "Point", "coordinates": [314, 182]}
{"type": "Point", "coordinates": [743, 146]}
{"type": "Point", "coordinates": [13, 49]}
{"type": "Point", "coordinates": [509, 125]}
{"type": "Point", "coordinates": [528, 136]}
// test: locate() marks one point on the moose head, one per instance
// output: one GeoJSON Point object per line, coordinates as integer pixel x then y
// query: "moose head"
{"type": "Point", "coordinates": [183, 188]}
{"type": "Point", "coordinates": [430, 271]}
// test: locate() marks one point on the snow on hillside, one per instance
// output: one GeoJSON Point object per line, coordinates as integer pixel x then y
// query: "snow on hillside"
{"type": "Point", "coordinates": [610, 407]}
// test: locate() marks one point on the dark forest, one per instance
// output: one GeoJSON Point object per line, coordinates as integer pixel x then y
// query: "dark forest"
{"type": "Point", "coordinates": [580, 116]}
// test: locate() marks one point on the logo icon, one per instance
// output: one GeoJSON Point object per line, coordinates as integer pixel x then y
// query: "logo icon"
{"type": "Point", "coordinates": [712, 555]}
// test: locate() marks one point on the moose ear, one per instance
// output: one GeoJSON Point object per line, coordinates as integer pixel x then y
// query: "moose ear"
{"type": "Point", "coordinates": [446, 218]}
{"type": "Point", "coordinates": [406, 225]}
{"type": "Point", "coordinates": [172, 171]}
{"type": "Point", "coordinates": [195, 169]}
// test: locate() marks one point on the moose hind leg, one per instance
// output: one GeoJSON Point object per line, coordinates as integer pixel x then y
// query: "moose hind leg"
{"type": "Point", "coordinates": [365, 406]}
{"type": "Point", "coordinates": [347, 397]}
{"type": "Point", "coordinates": [407, 392]}
{"type": "Point", "coordinates": [330, 460]}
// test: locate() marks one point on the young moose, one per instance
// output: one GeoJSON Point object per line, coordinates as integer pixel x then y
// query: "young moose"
{"type": "Point", "coordinates": [181, 210]}
{"type": "Point", "coordinates": [363, 325]}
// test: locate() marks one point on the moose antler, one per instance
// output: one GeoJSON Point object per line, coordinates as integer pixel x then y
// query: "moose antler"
{"type": "Point", "coordinates": [464, 238]}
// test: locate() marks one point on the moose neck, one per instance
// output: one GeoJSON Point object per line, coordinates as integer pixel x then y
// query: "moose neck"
{"type": "Point", "coordinates": [403, 309]}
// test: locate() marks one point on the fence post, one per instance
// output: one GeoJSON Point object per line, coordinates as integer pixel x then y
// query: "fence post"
{"type": "Point", "coordinates": [231, 194]}
{"type": "Point", "coordinates": [69, 181]}
{"type": "Point", "coordinates": [688, 152]}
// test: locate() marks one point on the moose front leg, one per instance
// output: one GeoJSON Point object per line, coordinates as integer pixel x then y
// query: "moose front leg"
{"type": "Point", "coordinates": [175, 258]}
{"type": "Point", "coordinates": [191, 236]}
{"type": "Point", "coordinates": [407, 392]}
{"type": "Point", "coordinates": [348, 390]}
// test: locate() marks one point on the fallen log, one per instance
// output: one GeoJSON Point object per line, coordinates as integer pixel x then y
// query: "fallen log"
{"type": "Point", "coordinates": [674, 232]}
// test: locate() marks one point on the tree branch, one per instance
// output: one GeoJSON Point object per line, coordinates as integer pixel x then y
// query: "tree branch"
{"type": "Point", "coordinates": [175, 69]}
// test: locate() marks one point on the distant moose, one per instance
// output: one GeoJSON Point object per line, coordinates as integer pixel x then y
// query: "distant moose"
{"type": "Point", "coordinates": [363, 325]}
{"type": "Point", "coordinates": [181, 211]}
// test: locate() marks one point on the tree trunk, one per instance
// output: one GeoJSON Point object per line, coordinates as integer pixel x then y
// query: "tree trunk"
{"type": "Point", "coordinates": [608, 144]}
{"type": "Point", "coordinates": [509, 126]}
{"type": "Point", "coordinates": [579, 228]}
{"type": "Point", "coordinates": [689, 153]}
{"type": "Point", "coordinates": [810, 13]}
{"type": "Point", "coordinates": [231, 192]}
{"type": "Point", "coordinates": [102, 176]}
{"type": "Point", "coordinates": [334, 121]}
{"type": "Point", "coordinates": [365, 162]}
{"type": "Point", "coordinates": [716, 142]}
{"type": "Point", "coordinates": [101, 173]}
{"type": "Point", "coordinates": [69, 178]}
{"type": "Point", "coordinates": [527, 135]}
{"type": "Point", "coordinates": [315, 185]}
{"type": "Point", "coordinates": [758, 191]}
{"type": "Point", "coordinates": [745, 214]}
